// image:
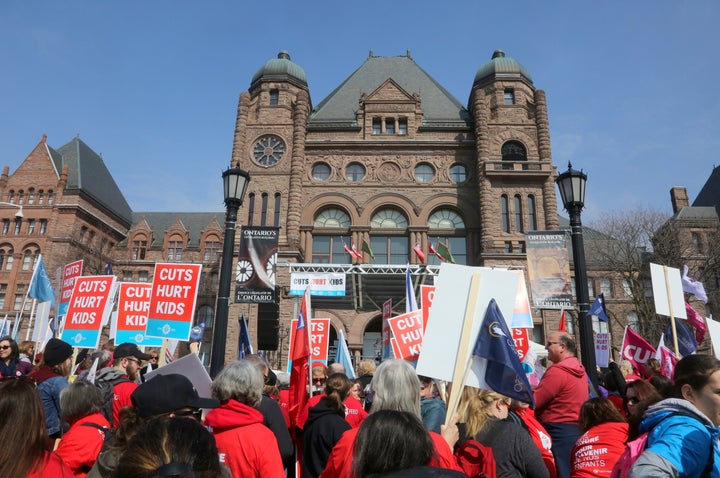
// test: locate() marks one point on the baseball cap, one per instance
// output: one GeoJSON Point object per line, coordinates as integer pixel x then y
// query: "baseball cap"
{"type": "Point", "coordinates": [128, 349]}
{"type": "Point", "coordinates": [168, 393]}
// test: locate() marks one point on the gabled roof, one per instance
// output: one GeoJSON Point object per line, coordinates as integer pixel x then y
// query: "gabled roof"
{"type": "Point", "coordinates": [194, 222]}
{"type": "Point", "coordinates": [437, 104]}
{"type": "Point", "coordinates": [710, 193]}
{"type": "Point", "coordinates": [87, 173]}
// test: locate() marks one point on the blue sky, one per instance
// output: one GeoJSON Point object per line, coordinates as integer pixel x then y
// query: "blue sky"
{"type": "Point", "coordinates": [153, 85]}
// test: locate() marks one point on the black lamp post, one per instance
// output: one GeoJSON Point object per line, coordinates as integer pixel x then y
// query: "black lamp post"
{"type": "Point", "coordinates": [572, 191]}
{"type": "Point", "coordinates": [235, 183]}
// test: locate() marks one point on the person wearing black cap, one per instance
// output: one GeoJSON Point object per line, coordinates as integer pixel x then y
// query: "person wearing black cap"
{"type": "Point", "coordinates": [52, 378]}
{"type": "Point", "coordinates": [123, 377]}
{"type": "Point", "coordinates": [170, 395]}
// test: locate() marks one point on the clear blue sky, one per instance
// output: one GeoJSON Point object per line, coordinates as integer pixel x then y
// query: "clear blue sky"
{"type": "Point", "coordinates": [153, 85]}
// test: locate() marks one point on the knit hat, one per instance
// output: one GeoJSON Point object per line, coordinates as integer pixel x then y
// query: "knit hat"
{"type": "Point", "coordinates": [168, 393]}
{"type": "Point", "coordinates": [56, 351]}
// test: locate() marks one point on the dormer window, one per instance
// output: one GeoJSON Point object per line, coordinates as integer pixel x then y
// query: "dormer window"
{"type": "Point", "coordinates": [402, 126]}
{"type": "Point", "coordinates": [389, 125]}
{"type": "Point", "coordinates": [377, 126]}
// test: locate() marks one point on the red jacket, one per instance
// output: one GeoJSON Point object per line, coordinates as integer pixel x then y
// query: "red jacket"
{"type": "Point", "coordinates": [540, 437]}
{"type": "Point", "coordinates": [246, 446]}
{"type": "Point", "coordinates": [81, 444]}
{"type": "Point", "coordinates": [284, 402]}
{"type": "Point", "coordinates": [598, 449]}
{"type": "Point", "coordinates": [561, 392]}
{"type": "Point", "coordinates": [340, 462]}
{"type": "Point", "coordinates": [52, 467]}
{"type": "Point", "coordinates": [122, 392]}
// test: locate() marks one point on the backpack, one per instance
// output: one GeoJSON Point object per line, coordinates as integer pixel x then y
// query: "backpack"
{"type": "Point", "coordinates": [475, 459]}
{"type": "Point", "coordinates": [635, 448]}
{"type": "Point", "coordinates": [107, 391]}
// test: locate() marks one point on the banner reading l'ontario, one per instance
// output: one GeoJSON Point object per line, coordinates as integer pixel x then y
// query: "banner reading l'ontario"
{"type": "Point", "coordinates": [549, 269]}
{"type": "Point", "coordinates": [257, 259]}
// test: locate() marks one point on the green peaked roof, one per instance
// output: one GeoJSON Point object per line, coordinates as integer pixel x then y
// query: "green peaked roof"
{"type": "Point", "coordinates": [437, 104]}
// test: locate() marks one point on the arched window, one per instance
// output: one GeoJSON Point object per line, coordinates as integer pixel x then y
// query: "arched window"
{"type": "Point", "coordinates": [263, 211]}
{"type": "Point", "coordinates": [389, 219]}
{"type": "Point", "coordinates": [390, 248]}
{"type": "Point", "coordinates": [332, 217]}
{"type": "Point", "coordinates": [276, 211]}
{"type": "Point", "coordinates": [445, 219]}
{"type": "Point", "coordinates": [175, 248]}
{"type": "Point", "coordinates": [518, 213]}
{"type": "Point", "coordinates": [251, 208]}
{"type": "Point", "coordinates": [447, 227]}
{"type": "Point", "coordinates": [11, 196]}
{"type": "Point", "coordinates": [504, 213]}
{"type": "Point", "coordinates": [41, 196]}
{"type": "Point", "coordinates": [50, 197]}
{"type": "Point", "coordinates": [31, 196]}
{"type": "Point", "coordinates": [6, 257]}
{"type": "Point", "coordinates": [512, 151]}
{"type": "Point", "coordinates": [29, 257]}
{"type": "Point", "coordinates": [532, 217]}
{"type": "Point", "coordinates": [21, 197]}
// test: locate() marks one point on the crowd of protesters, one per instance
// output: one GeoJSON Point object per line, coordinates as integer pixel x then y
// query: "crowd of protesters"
{"type": "Point", "coordinates": [57, 421]}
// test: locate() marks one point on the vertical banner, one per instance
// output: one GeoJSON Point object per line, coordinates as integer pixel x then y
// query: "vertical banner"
{"type": "Point", "coordinates": [602, 349]}
{"type": "Point", "coordinates": [133, 307]}
{"type": "Point", "coordinates": [257, 258]}
{"type": "Point", "coordinates": [90, 303]}
{"type": "Point", "coordinates": [319, 340]}
{"type": "Point", "coordinates": [70, 272]}
{"type": "Point", "coordinates": [387, 351]}
{"type": "Point", "coordinates": [172, 300]}
{"type": "Point", "coordinates": [549, 269]}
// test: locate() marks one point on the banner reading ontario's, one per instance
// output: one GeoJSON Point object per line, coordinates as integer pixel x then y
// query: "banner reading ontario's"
{"type": "Point", "coordinates": [257, 259]}
{"type": "Point", "coordinates": [549, 269]}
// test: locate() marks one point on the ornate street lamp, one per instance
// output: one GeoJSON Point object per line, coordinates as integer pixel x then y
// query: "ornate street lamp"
{"type": "Point", "coordinates": [235, 183]}
{"type": "Point", "coordinates": [571, 184]}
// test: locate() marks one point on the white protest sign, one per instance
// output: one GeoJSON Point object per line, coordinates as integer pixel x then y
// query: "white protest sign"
{"type": "Point", "coordinates": [667, 291]}
{"type": "Point", "coordinates": [191, 367]}
{"type": "Point", "coordinates": [440, 343]}
{"type": "Point", "coordinates": [714, 332]}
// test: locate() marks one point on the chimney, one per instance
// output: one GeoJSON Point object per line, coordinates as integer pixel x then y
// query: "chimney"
{"type": "Point", "coordinates": [679, 198]}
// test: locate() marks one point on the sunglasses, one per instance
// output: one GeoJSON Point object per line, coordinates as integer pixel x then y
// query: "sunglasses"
{"type": "Point", "coordinates": [5, 347]}
{"type": "Point", "coordinates": [632, 400]}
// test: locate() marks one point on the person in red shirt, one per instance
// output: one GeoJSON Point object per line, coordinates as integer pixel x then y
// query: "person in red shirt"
{"type": "Point", "coordinates": [80, 446]}
{"type": "Point", "coordinates": [605, 432]}
{"type": "Point", "coordinates": [24, 451]}
{"type": "Point", "coordinates": [123, 375]}
{"type": "Point", "coordinates": [558, 398]}
{"type": "Point", "coordinates": [537, 432]}
{"type": "Point", "coordinates": [395, 386]}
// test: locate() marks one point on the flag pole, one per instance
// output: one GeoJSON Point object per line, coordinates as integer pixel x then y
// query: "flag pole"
{"type": "Point", "coordinates": [460, 372]}
{"type": "Point", "coordinates": [672, 314]}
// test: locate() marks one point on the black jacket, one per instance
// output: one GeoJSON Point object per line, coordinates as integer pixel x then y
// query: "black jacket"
{"type": "Point", "coordinates": [323, 429]}
{"type": "Point", "coordinates": [273, 419]}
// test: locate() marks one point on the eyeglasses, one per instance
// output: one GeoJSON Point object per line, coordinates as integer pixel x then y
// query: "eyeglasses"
{"type": "Point", "coordinates": [133, 359]}
{"type": "Point", "coordinates": [632, 400]}
{"type": "Point", "coordinates": [4, 347]}
{"type": "Point", "coordinates": [552, 343]}
{"type": "Point", "coordinates": [319, 380]}
{"type": "Point", "coordinates": [194, 413]}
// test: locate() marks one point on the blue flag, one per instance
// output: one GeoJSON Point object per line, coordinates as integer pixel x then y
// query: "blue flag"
{"type": "Point", "coordinates": [598, 308]}
{"type": "Point", "coordinates": [504, 373]}
{"type": "Point", "coordinates": [108, 269]}
{"type": "Point", "coordinates": [342, 356]}
{"type": "Point", "coordinates": [197, 332]}
{"type": "Point", "coordinates": [687, 345]}
{"type": "Point", "coordinates": [40, 286]}
{"type": "Point", "coordinates": [244, 345]}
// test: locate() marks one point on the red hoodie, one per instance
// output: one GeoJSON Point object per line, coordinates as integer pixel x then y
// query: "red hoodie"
{"type": "Point", "coordinates": [597, 451]}
{"type": "Point", "coordinates": [561, 392]}
{"type": "Point", "coordinates": [245, 445]}
{"type": "Point", "coordinates": [81, 444]}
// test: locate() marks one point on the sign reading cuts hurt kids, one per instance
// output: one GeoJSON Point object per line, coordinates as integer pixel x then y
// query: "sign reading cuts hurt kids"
{"type": "Point", "coordinates": [90, 305]}
{"type": "Point", "coordinates": [133, 306]}
{"type": "Point", "coordinates": [70, 272]}
{"type": "Point", "coordinates": [172, 301]}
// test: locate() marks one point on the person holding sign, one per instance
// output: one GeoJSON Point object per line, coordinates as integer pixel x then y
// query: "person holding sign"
{"type": "Point", "coordinates": [558, 397]}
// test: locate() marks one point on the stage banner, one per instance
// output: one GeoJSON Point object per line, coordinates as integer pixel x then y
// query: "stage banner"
{"type": "Point", "coordinates": [257, 258]}
{"type": "Point", "coordinates": [172, 300]}
{"type": "Point", "coordinates": [328, 284]}
{"type": "Point", "coordinates": [70, 272]}
{"type": "Point", "coordinates": [549, 269]}
{"type": "Point", "coordinates": [90, 303]}
{"type": "Point", "coordinates": [133, 307]}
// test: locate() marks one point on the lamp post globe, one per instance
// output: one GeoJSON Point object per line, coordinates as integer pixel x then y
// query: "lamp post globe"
{"type": "Point", "coordinates": [235, 183]}
{"type": "Point", "coordinates": [571, 185]}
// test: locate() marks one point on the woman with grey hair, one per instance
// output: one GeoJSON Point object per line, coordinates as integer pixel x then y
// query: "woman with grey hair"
{"type": "Point", "coordinates": [395, 386]}
{"type": "Point", "coordinates": [246, 446]}
{"type": "Point", "coordinates": [80, 405]}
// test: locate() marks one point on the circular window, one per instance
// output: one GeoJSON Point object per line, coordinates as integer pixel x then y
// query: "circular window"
{"type": "Point", "coordinates": [321, 172]}
{"type": "Point", "coordinates": [268, 150]}
{"type": "Point", "coordinates": [458, 173]}
{"type": "Point", "coordinates": [424, 172]}
{"type": "Point", "coordinates": [355, 172]}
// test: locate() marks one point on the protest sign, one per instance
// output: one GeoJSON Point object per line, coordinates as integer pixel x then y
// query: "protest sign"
{"type": "Point", "coordinates": [191, 367]}
{"type": "Point", "coordinates": [132, 313]}
{"type": "Point", "coordinates": [319, 340]}
{"type": "Point", "coordinates": [427, 294]}
{"type": "Point", "coordinates": [522, 318]}
{"type": "Point", "coordinates": [90, 302]}
{"type": "Point", "coordinates": [70, 272]}
{"type": "Point", "coordinates": [387, 350]}
{"type": "Point", "coordinates": [668, 291]}
{"type": "Point", "coordinates": [407, 330]}
{"type": "Point", "coordinates": [440, 350]}
{"type": "Point", "coordinates": [602, 349]}
{"type": "Point", "coordinates": [172, 301]}
{"type": "Point", "coordinates": [522, 342]}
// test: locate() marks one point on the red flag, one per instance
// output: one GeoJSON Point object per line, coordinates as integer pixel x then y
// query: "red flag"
{"type": "Point", "coordinates": [637, 351]}
{"type": "Point", "coordinates": [694, 319]}
{"type": "Point", "coordinates": [418, 250]}
{"type": "Point", "coordinates": [433, 251]}
{"type": "Point", "coordinates": [562, 327]}
{"type": "Point", "coordinates": [356, 253]}
{"type": "Point", "coordinates": [299, 374]}
{"type": "Point", "coordinates": [348, 250]}
{"type": "Point", "coordinates": [667, 362]}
